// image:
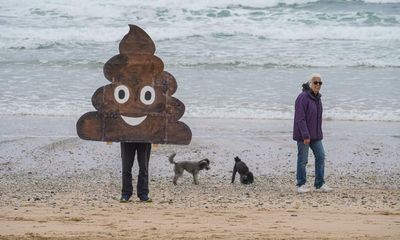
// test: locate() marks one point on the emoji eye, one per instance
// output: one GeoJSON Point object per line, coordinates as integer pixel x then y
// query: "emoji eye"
{"type": "Point", "coordinates": [121, 94]}
{"type": "Point", "coordinates": [147, 95]}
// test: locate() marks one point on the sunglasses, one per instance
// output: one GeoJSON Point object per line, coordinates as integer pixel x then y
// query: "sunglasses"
{"type": "Point", "coordinates": [320, 83]}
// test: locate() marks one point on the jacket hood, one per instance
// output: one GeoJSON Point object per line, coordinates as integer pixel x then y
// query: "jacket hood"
{"type": "Point", "coordinates": [306, 87]}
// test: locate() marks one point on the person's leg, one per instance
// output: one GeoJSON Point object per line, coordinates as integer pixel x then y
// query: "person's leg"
{"type": "Point", "coordinates": [302, 160]}
{"type": "Point", "coordinates": [144, 151]}
{"type": "Point", "coordinates": [319, 153]}
{"type": "Point", "coordinates": [128, 156]}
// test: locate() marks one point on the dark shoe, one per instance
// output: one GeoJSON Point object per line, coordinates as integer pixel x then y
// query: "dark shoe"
{"type": "Point", "coordinates": [145, 199]}
{"type": "Point", "coordinates": [124, 198]}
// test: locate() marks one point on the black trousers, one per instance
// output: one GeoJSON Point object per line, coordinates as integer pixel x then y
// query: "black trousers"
{"type": "Point", "coordinates": [128, 150]}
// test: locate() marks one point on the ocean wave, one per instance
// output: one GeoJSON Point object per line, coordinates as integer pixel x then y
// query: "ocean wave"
{"type": "Point", "coordinates": [107, 12]}
{"type": "Point", "coordinates": [381, 1]}
{"type": "Point", "coordinates": [315, 33]}
{"type": "Point", "coordinates": [267, 65]}
{"type": "Point", "coordinates": [77, 26]}
{"type": "Point", "coordinates": [212, 64]}
{"type": "Point", "coordinates": [329, 115]}
{"type": "Point", "coordinates": [245, 3]}
{"type": "Point", "coordinates": [241, 113]}
{"type": "Point", "coordinates": [57, 63]}
{"type": "Point", "coordinates": [335, 114]}
{"type": "Point", "coordinates": [75, 39]}
{"type": "Point", "coordinates": [224, 3]}
{"type": "Point", "coordinates": [226, 33]}
{"type": "Point", "coordinates": [67, 37]}
{"type": "Point", "coordinates": [239, 109]}
{"type": "Point", "coordinates": [209, 64]}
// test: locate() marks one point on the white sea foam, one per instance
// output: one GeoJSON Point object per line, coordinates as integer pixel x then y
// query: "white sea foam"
{"type": "Point", "coordinates": [47, 37]}
{"type": "Point", "coordinates": [84, 22]}
{"type": "Point", "coordinates": [52, 53]}
{"type": "Point", "coordinates": [334, 114]}
{"type": "Point", "coordinates": [382, 1]}
{"type": "Point", "coordinates": [71, 37]}
{"type": "Point", "coordinates": [239, 113]}
{"type": "Point", "coordinates": [84, 6]}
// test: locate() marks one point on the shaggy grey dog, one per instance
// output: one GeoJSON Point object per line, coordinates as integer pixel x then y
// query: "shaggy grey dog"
{"type": "Point", "coordinates": [190, 166]}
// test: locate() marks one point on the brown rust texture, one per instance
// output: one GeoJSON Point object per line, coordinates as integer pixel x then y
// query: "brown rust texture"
{"type": "Point", "coordinates": [137, 106]}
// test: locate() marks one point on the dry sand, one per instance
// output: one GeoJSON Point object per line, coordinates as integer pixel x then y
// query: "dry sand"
{"type": "Point", "coordinates": [55, 186]}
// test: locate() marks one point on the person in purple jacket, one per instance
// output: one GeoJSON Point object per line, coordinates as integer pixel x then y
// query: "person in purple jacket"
{"type": "Point", "coordinates": [307, 131]}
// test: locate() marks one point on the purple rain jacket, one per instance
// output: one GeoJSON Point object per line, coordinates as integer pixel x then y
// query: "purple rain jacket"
{"type": "Point", "coordinates": [308, 116]}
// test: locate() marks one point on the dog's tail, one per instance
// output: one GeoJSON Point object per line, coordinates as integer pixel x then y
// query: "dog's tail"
{"type": "Point", "coordinates": [171, 158]}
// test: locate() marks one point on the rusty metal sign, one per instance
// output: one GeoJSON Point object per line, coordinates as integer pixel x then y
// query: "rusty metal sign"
{"type": "Point", "coordinates": [138, 105]}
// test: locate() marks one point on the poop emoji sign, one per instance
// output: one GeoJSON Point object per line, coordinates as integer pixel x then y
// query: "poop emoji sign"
{"type": "Point", "coordinates": [137, 106]}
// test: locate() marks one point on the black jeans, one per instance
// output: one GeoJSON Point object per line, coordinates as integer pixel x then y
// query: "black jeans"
{"type": "Point", "coordinates": [128, 150]}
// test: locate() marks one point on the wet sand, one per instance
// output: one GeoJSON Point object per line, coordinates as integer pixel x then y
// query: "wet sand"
{"type": "Point", "coordinates": [55, 186]}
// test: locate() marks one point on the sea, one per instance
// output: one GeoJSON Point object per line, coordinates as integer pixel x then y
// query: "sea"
{"type": "Point", "coordinates": [231, 58]}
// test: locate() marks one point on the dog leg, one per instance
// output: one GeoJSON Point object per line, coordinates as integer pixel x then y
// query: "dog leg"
{"type": "Point", "coordinates": [175, 179]}
{"type": "Point", "coordinates": [178, 173]}
{"type": "Point", "coordinates": [195, 179]}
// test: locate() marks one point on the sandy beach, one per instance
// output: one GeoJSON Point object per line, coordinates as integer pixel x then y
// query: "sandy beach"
{"type": "Point", "coordinates": [237, 69]}
{"type": "Point", "coordinates": [54, 185]}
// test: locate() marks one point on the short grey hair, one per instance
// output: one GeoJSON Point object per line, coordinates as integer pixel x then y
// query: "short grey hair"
{"type": "Point", "coordinates": [314, 75]}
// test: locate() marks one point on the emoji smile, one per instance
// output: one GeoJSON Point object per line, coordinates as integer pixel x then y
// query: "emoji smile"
{"type": "Point", "coordinates": [133, 121]}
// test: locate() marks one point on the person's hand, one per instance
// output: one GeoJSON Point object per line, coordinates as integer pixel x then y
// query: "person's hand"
{"type": "Point", "coordinates": [307, 141]}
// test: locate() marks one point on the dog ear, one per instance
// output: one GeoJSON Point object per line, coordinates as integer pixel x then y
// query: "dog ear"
{"type": "Point", "coordinates": [237, 159]}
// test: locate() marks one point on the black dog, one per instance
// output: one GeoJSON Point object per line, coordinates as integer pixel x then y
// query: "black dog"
{"type": "Point", "coordinates": [246, 177]}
